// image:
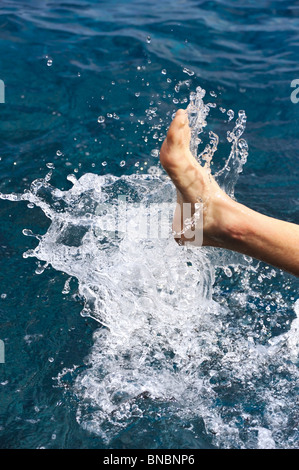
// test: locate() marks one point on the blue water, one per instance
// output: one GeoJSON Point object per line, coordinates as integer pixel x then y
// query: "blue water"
{"type": "Point", "coordinates": [64, 64]}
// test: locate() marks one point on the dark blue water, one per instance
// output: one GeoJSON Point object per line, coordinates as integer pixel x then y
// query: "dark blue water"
{"type": "Point", "coordinates": [64, 64]}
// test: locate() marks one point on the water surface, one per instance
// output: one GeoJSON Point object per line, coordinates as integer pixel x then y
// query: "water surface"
{"type": "Point", "coordinates": [199, 348]}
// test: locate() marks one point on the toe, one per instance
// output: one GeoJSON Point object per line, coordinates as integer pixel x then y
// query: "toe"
{"type": "Point", "coordinates": [181, 113]}
{"type": "Point", "coordinates": [179, 131]}
{"type": "Point", "coordinates": [180, 120]}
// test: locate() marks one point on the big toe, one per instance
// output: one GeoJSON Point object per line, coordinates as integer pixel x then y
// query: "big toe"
{"type": "Point", "coordinates": [179, 131]}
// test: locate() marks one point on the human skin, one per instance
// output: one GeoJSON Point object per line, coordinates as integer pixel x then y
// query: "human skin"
{"type": "Point", "coordinates": [226, 223]}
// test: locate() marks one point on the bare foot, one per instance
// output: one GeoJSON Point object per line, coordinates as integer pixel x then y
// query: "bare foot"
{"type": "Point", "coordinates": [194, 183]}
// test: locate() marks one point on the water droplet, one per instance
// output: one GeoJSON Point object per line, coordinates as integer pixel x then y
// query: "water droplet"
{"type": "Point", "coordinates": [122, 163]}
{"type": "Point", "coordinates": [227, 271]}
{"type": "Point", "coordinates": [3, 296]}
{"type": "Point", "coordinates": [230, 114]}
{"type": "Point", "coordinates": [66, 288]}
{"type": "Point", "coordinates": [28, 253]}
{"type": "Point", "coordinates": [164, 71]}
{"type": "Point", "coordinates": [101, 119]}
{"type": "Point", "coordinates": [40, 269]}
{"type": "Point", "coordinates": [27, 232]}
{"type": "Point", "coordinates": [104, 163]}
{"type": "Point", "coordinates": [155, 171]}
{"type": "Point", "coordinates": [49, 62]}
{"type": "Point", "coordinates": [188, 71]}
{"type": "Point", "coordinates": [155, 153]}
{"type": "Point", "coordinates": [58, 153]}
{"type": "Point", "coordinates": [137, 94]}
{"type": "Point", "coordinates": [148, 39]}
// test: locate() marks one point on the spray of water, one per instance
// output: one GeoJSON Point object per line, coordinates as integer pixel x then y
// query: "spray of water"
{"type": "Point", "coordinates": [170, 343]}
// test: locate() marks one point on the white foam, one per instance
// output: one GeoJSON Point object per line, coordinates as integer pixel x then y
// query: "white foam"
{"type": "Point", "coordinates": [265, 440]}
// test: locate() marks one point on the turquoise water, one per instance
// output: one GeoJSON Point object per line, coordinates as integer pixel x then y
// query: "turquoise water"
{"type": "Point", "coordinates": [137, 343]}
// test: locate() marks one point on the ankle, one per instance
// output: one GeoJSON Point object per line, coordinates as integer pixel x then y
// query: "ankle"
{"type": "Point", "coordinates": [228, 226]}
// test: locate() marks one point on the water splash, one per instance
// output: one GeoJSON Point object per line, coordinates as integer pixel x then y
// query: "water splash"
{"type": "Point", "coordinates": [228, 176]}
{"type": "Point", "coordinates": [198, 112]}
{"type": "Point", "coordinates": [171, 342]}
